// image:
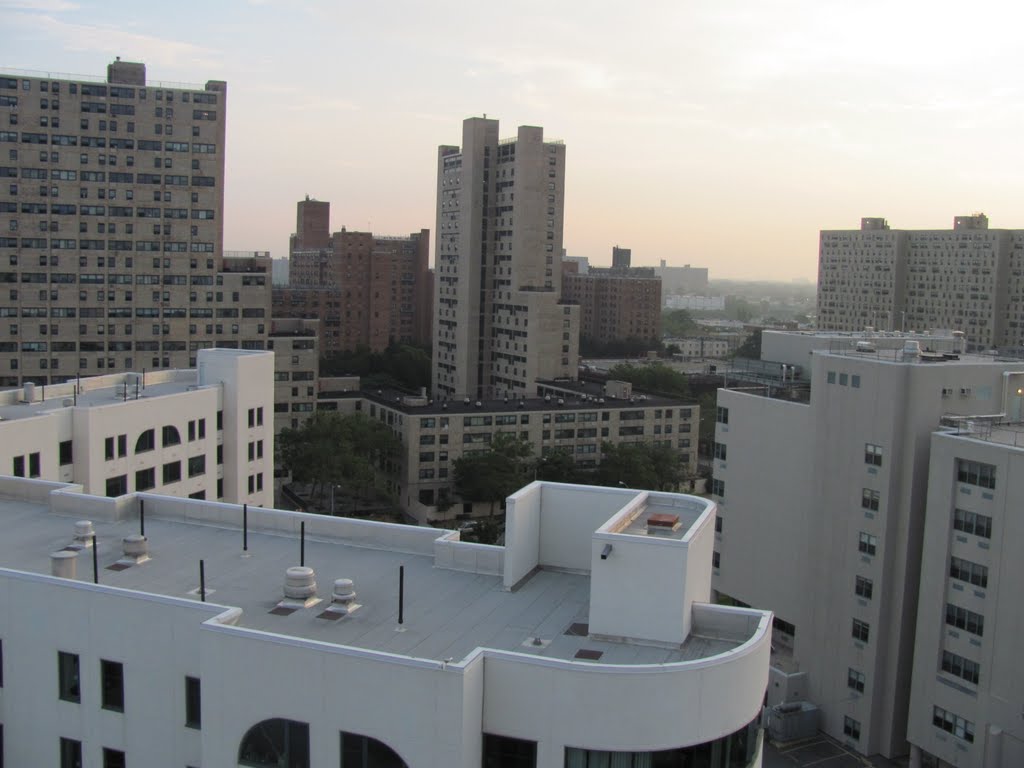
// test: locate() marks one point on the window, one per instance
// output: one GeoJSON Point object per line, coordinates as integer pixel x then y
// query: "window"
{"type": "Point", "coordinates": [976, 473]}
{"type": "Point", "coordinates": [358, 751]}
{"type": "Point", "coordinates": [867, 544]}
{"type": "Point", "coordinates": [861, 630]}
{"type": "Point", "coordinates": [172, 472]}
{"type": "Point", "coordinates": [722, 415]}
{"type": "Point", "coordinates": [870, 499]}
{"type": "Point", "coordinates": [67, 677]}
{"type": "Point", "coordinates": [855, 381]}
{"type": "Point", "coordinates": [954, 724]}
{"type": "Point", "coordinates": [171, 436]}
{"type": "Point", "coordinates": [831, 377]}
{"type": "Point", "coordinates": [117, 486]}
{"type": "Point", "coordinates": [18, 469]}
{"type": "Point", "coordinates": [863, 587]}
{"type": "Point", "coordinates": [718, 488]}
{"type": "Point", "coordinates": [112, 685]}
{"type": "Point", "coordinates": [145, 479]}
{"type": "Point", "coordinates": [720, 451]}
{"type": "Point", "coordinates": [965, 570]}
{"type": "Point", "coordinates": [855, 680]}
{"type": "Point", "coordinates": [65, 455]}
{"type": "Point", "coordinates": [193, 703]}
{"type": "Point", "coordinates": [851, 727]}
{"type": "Point", "coordinates": [33, 465]}
{"type": "Point", "coordinates": [716, 560]}
{"type": "Point", "coordinates": [973, 523]}
{"type": "Point", "coordinates": [122, 446]}
{"type": "Point", "coordinates": [275, 742]}
{"type": "Point", "coordinates": [70, 753]}
{"type": "Point", "coordinates": [506, 752]}
{"type": "Point", "coordinates": [146, 441]}
{"type": "Point", "coordinates": [252, 417]}
{"type": "Point", "coordinates": [197, 465]}
{"type": "Point", "coordinates": [191, 431]}
{"type": "Point", "coordinates": [843, 379]}
{"type": "Point", "coordinates": [961, 667]}
{"type": "Point", "coordinates": [113, 758]}
{"type": "Point", "coordinates": [873, 454]}
{"type": "Point", "coordinates": [961, 618]}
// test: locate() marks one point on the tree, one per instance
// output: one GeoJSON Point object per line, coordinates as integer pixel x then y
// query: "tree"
{"type": "Point", "coordinates": [676, 323]}
{"type": "Point", "coordinates": [400, 365]}
{"type": "Point", "coordinates": [494, 474]}
{"type": "Point", "coordinates": [751, 346]}
{"type": "Point", "coordinates": [640, 465]}
{"type": "Point", "coordinates": [656, 378]}
{"type": "Point", "coordinates": [557, 466]}
{"type": "Point", "coordinates": [352, 451]}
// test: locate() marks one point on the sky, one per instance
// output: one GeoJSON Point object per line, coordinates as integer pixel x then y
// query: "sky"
{"type": "Point", "coordinates": [717, 133]}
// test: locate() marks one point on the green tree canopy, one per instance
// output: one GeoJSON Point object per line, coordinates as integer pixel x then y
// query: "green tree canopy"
{"type": "Point", "coordinates": [353, 451]}
{"type": "Point", "coordinates": [656, 378]}
{"type": "Point", "coordinates": [640, 465]}
{"type": "Point", "coordinates": [676, 323]}
{"type": "Point", "coordinates": [401, 365]}
{"type": "Point", "coordinates": [494, 474]}
{"type": "Point", "coordinates": [751, 347]}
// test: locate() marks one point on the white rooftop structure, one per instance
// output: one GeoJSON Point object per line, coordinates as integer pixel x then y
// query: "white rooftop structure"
{"type": "Point", "coordinates": [589, 632]}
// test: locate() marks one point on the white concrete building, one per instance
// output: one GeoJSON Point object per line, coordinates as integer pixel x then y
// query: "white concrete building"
{"type": "Point", "coordinates": [968, 684]}
{"type": "Point", "coordinates": [499, 323]}
{"type": "Point", "coordinates": [587, 639]}
{"type": "Point", "coordinates": [822, 512]}
{"type": "Point", "coordinates": [202, 433]}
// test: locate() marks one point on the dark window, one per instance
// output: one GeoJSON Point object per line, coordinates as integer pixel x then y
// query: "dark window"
{"type": "Point", "coordinates": [108, 448]}
{"type": "Point", "coordinates": [861, 630]}
{"type": "Point", "coordinates": [146, 441]}
{"type": "Point", "coordinates": [112, 685]}
{"type": "Point", "coordinates": [117, 486]}
{"type": "Point", "coordinates": [275, 743]}
{"type": "Point", "coordinates": [220, 419]}
{"type": "Point", "coordinates": [145, 479]}
{"type": "Point", "coordinates": [171, 436]}
{"type": "Point", "coordinates": [961, 618]}
{"type": "Point", "coordinates": [851, 727]}
{"type": "Point", "coordinates": [113, 758]}
{"type": "Point", "coordinates": [70, 753]}
{"type": "Point", "coordinates": [122, 445]}
{"type": "Point", "coordinates": [18, 469]}
{"type": "Point", "coordinates": [172, 472]}
{"type": "Point", "coordinates": [191, 431]}
{"type": "Point", "coordinates": [722, 415]}
{"type": "Point", "coordinates": [65, 455]}
{"type": "Point", "coordinates": [976, 473]}
{"type": "Point", "coordinates": [365, 752]}
{"type": "Point", "coordinates": [193, 703]}
{"type": "Point", "coordinates": [33, 465]}
{"type": "Point", "coordinates": [197, 465]}
{"type": "Point", "coordinates": [67, 677]}
{"type": "Point", "coordinates": [864, 587]}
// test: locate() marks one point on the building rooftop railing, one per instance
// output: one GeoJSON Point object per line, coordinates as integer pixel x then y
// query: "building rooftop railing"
{"type": "Point", "coordinates": [97, 79]}
{"type": "Point", "coordinates": [995, 428]}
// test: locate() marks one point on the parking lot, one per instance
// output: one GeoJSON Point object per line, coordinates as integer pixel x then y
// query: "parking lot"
{"type": "Point", "coordinates": [819, 752]}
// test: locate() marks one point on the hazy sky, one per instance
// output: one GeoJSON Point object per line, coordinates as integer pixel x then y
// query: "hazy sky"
{"type": "Point", "coordinates": [722, 133]}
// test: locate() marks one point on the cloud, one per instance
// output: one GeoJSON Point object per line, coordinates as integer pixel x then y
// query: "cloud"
{"type": "Point", "coordinates": [38, 6]}
{"type": "Point", "coordinates": [113, 41]}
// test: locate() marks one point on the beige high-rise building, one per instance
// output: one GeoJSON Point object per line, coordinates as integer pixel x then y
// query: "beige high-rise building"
{"type": "Point", "coordinates": [111, 215]}
{"type": "Point", "coordinates": [500, 324]}
{"type": "Point", "coordinates": [970, 279]}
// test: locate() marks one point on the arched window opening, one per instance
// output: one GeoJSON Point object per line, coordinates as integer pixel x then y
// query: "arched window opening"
{"type": "Point", "coordinates": [358, 751]}
{"type": "Point", "coordinates": [275, 743]}
{"type": "Point", "coordinates": [146, 441]}
{"type": "Point", "coordinates": [171, 436]}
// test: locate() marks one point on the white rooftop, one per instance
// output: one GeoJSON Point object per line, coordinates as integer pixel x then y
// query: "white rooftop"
{"type": "Point", "coordinates": [450, 610]}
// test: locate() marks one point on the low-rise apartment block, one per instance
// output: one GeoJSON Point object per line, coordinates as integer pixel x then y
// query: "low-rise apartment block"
{"type": "Point", "coordinates": [204, 433]}
{"type": "Point", "coordinates": [615, 304]}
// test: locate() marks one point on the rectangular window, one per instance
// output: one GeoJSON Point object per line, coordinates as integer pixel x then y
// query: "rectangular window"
{"type": "Point", "coordinates": [954, 724]}
{"type": "Point", "coordinates": [961, 667]}
{"type": "Point", "coordinates": [873, 454]}
{"type": "Point", "coordinates": [70, 753]}
{"type": "Point", "coordinates": [113, 758]}
{"type": "Point", "coordinates": [65, 455]}
{"type": "Point", "coordinates": [973, 523]}
{"type": "Point", "coordinates": [961, 618]}
{"type": "Point", "coordinates": [172, 472]}
{"type": "Point", "coordinates": [718, 488]}
{"type": "Point", "coordinates": [193, 703]}
{"type": "Point", "coordinates": [722, 415]}
{"type": "Point", "coordinates": [965, 570]}
{"type": "Point", "coordinates": [18, 468]}
{"type": "Point", "coordinates": [497, 750]}
{"type": "Point", "coordinates": [851, 727]}
{"type": "Point", "coordinates": [145, 479]}
{"type": "Point", "coordinates": [112, 685]}
{"type": "Point", "coordinates": [191, 431]}
{"type": "Point", "coordinates": [33, 465]}
{"type": "Point", "coordinates": [870, 499]}
{"type": "Point", "coordinates": [867, 544]}
{"type": "Point", "coordinates": [864, 587]}
{"type": "Point", "coordinates": [197, 465]}
{"type": "Point", "coordinates": [855, 680]}
{"type": "Point", "coordinates": [861, 630]}
{"type": "Point", "coordinates": [976, 473]}
{"type": "Point", "coordinates": [720, 451]}
{"type": "Point", "coordinates": [67, 677]}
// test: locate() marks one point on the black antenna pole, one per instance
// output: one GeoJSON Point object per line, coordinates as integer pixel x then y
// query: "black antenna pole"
{"type": "Point", "coordinates": [245, 527]}
{"type": "Point", "coordinates": [401, 594]}
{"type": "Point", "coordinates": [142, 517]}
{"type": "Point", "coordinates": [202, 581]}
{"type": "Point", "coordinates": [95, 562]}
{"type": "Point", "coordinates": [302, 543]}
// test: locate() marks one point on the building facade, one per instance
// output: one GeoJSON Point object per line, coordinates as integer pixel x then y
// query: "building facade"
{"type": "Point", "coordinates": [968, 687]}
{"type": "Point", "coordinates": [969, 279]}
{"type": "Point", "coordinates": [500, 323]}
{"type": "Point", "coordinates": [112, 219]}
{"type": "Point", "coordinates": [204, 433]}
{"type": "Point", "coordinates": [488, 661]}
{"type": "Point", "coordinates": [573, 417]}
{"type": "Point", "coordinates": [826, 527]}
{"type": "Point", "coordinates": [296, 370]}
{"type": "Point", "coordinates": [615, 304]}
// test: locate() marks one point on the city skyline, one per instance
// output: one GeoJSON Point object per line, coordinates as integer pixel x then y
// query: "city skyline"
{"type": "Point", "coordinates": [680, 121]}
